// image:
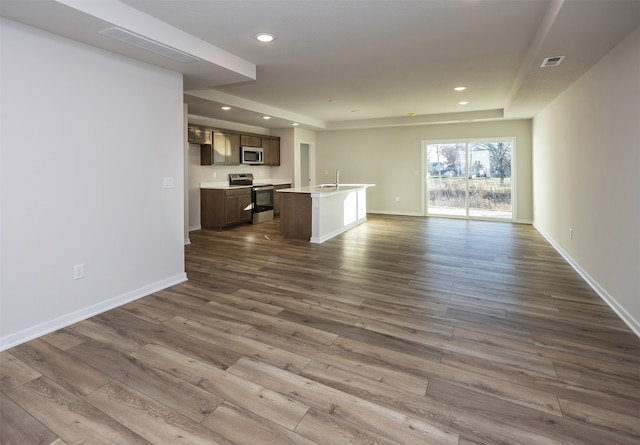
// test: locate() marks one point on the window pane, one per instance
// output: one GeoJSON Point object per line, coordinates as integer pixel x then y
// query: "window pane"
{"type": "Point", "coordinates": [490, 179]}
{"type": "Point", "coordinates": [446, 179]}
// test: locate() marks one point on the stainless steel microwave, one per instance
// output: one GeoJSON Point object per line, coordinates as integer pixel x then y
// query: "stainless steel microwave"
{"type": "Point", "coordinates": [251, 155]}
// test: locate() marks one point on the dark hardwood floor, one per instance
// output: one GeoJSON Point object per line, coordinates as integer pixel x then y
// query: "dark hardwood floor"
{"type": "Point", "coordinates": [401, 331]}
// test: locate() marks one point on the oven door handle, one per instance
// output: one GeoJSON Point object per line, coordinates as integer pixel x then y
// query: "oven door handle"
{"type": "Point", "coordinates": [262, 188]}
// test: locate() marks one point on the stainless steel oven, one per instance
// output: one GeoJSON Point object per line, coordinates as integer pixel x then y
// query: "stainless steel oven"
{"type": "Point", "coordinates": [262, 197]}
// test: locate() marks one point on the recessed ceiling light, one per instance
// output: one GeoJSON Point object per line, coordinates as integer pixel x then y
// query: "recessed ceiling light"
{"type": "Point", "coordinates": [412, 114]}
{"type": "Point", "coordinates": [266, 117]}
{"type": "Point", "coordinates": [295, 124]}
{"type": "Point", "coordinates": [460, 88]}
{"type": "Point", "coordinates": [464, 102]}
{"type": "Point", "coordinates": [225, 108]}
{"type": "Point", "coordinates": [265, 37]}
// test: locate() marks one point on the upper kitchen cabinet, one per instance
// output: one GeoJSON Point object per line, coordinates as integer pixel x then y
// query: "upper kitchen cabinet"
{"type": "Point", "coordinates": [222, 147]}
{"type": "Point", "coordinates": [271, 147]}
{"type": "Point", "coordinates": [197, 135]}
{"type": "Point", "coordinates": [249, 140]}
{"type": "Point", "coordinates": [225, 149]}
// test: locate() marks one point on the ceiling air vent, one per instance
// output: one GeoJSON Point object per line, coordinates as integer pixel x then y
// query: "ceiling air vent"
{"type": "Point", "coordinates": [148, 44]}
{"type": "Point", "coordinates": [552, 61]}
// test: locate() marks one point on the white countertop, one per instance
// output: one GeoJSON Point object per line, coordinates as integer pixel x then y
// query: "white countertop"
{"type": "Point", "coordinates": [224, 185]}
{"type": "Point", "coordinates": [325, 189]}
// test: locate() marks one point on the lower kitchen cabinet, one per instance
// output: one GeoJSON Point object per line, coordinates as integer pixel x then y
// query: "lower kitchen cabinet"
{"type": "Point", "coordinates": [222, 208]}
{"type": "Point", "coordinates": [277, 197]}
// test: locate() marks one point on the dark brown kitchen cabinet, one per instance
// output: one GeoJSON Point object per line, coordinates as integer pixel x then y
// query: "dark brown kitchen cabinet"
{"type": "Point", "coordinates": [222, 147]}
{"type": "Point", "coordinates": [271, 147]}
{"type": "Point", "coordinates": [206, 154]}
{"type": "Point", "coordinates": [225, 149]}
{"type": "Point", "coordinates": [223, 208]}
{"type": "Point", "coordinates": [277, 197]}
{"type": "Point", "coordinates": [250, 140]}
{"type": "Point", "coordinates": [197, 135]}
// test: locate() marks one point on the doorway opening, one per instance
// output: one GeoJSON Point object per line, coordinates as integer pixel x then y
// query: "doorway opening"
{"type": "Point", "coordinates": [304, 167]}
{"type": "Point", "coordinates": [470, 179]}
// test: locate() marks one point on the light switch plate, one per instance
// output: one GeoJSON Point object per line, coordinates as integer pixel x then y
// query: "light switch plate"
{"type": "Point", "coordinates": [78, 271]}
{"type": "Point", "coordinates": [167, 182]}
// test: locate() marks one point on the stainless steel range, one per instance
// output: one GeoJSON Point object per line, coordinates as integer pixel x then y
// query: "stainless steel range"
{"type": "Point", "coordinates": [261, 196]}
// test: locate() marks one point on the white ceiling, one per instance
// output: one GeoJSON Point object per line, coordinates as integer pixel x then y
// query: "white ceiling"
{"type": "Point", "coordinates": [355, 63]}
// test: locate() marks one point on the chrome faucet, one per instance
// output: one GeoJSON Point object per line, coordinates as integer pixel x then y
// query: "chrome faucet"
{"type": "Point", "coordinates": [337, 178]}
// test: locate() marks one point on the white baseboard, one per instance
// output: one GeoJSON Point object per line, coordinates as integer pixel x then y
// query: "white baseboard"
{"type": "Point", "coordinates": [391, 212]}
{"type": "Point", "coordinates": [336, 232]}
{"type": "Point", "coordinates": [632, 323]}
{"type": "Point", "coordinates": [82, 314]}
{"type": "Point", "coordinates": [192, 228]}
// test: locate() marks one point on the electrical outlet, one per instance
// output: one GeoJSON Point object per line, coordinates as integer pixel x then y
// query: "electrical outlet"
{"type": "Point", "coordinates": [167, 182]}
{"type": "Point", "coordinates": [397, 199]}
{"type": "Point", "coordinates": [78, 271]}
{"type": "Point", "coordinates": [215, 174]}
{"type": "Point", "coordinates": [570, 233]}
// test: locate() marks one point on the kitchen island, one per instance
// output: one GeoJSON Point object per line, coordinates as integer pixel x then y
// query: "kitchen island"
{"type": "Point", "coordinates": [318, 213]}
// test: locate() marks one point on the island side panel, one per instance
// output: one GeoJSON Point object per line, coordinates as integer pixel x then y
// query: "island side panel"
{"type": "Point", "coordinates": [295, 215]}
{"type": "Point", "coordinates": [336, 213]}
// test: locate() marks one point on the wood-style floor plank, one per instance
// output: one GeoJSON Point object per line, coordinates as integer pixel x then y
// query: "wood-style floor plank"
{"type": "Point", "coordinates": [180, 396]}
{"type": "Point", "coordinates": [73, 419]}
{"type": "Point", "coordinates": [327, 428]}
{"type": "Point", "coordinates": [64, 369]}
{"type": "Point", "coordinates": [466, 423]}
{"type": "Point", "coordinates": [149, 418]}
{"type": "Point", "coordinates": [562, 429]}
{"type": "Point", "coordinates": [17, 426]}
{"type": "Point", "coordinates": [403, 330]}
{"type": "Point", "coordinates": [370, 416]}
{"type": "Point", "coordinates": [370, 368]}
{"type": "Point", "coordinates": [246, 346]}
{"type": "Point", "coordinates": [14, 372]}
{"type": "Point", "coordinates": [242, 426]}
{"type": "Point", "coordinates": [248, 394]}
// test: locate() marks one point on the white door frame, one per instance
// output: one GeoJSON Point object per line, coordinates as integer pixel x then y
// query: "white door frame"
{"type": "Point", "coordinates": [298, 180]}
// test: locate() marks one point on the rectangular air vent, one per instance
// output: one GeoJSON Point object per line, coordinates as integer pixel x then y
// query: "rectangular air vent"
{"type": "Point", "coordinates": [148, 44]}
{"type": "Point", "coordinates": [552, 61]}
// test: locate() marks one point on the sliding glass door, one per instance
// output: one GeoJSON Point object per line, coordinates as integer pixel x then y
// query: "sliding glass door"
{"type": "Point", "coordinates": [469, 179]}
{"type": "Point", "coordinates": [446, 187]}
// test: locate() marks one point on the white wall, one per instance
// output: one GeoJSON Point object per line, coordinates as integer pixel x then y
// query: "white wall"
{"type": "Point", "coordinates": [586, 167]}
{"type": "Point", "coordinates": [86, 139]}
{"type": "Point", "coordinates": [286, 167]}
{"type": "Point", "coordinates": [390, 158]}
